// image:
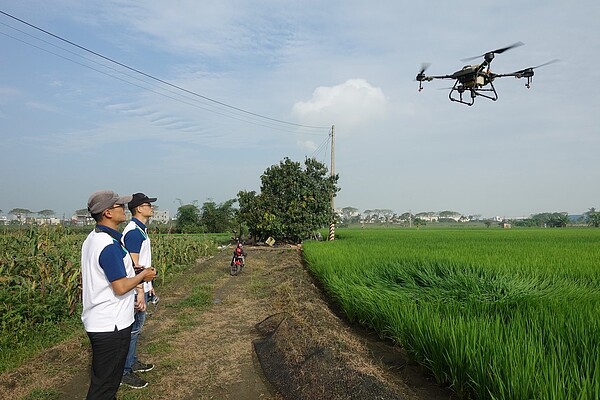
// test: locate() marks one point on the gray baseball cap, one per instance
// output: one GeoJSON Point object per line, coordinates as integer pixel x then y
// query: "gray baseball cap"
{"type": "Point", "coordinates": [104, 199]}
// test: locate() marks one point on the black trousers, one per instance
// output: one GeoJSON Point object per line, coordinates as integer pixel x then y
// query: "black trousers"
{"type": "Point", "coordinates": [109, 350]}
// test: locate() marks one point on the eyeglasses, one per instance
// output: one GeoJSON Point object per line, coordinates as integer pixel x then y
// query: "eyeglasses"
{"type": "Point", "coordinates": [146, 205]}
{"type": "Point", "coordinates": [117, 206]}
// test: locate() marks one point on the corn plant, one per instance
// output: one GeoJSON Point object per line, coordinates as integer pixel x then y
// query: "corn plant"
{"type": "Point", "coordinates": [40, 277]}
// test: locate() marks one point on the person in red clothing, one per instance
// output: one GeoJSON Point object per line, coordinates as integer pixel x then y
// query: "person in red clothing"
{"type": "Point", "coordinates": [237, 262]}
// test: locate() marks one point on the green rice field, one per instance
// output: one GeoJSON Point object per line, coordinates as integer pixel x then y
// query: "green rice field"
{"type": "Point", "coordinates": [494, 314]}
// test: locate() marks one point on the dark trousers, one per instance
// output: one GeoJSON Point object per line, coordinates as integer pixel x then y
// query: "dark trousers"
{"type": "Point", "coordinates": [109, 350]}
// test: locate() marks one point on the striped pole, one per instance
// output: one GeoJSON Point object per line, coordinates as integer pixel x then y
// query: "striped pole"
{"type": "Point", "coordinates": [332, 226]}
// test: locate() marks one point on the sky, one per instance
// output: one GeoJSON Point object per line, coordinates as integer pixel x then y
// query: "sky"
{"type": "Point", "coordinates": [203, 97]}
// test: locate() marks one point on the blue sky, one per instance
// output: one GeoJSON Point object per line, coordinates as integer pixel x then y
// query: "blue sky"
{"type": "Point", "coordinates": [72, 123]}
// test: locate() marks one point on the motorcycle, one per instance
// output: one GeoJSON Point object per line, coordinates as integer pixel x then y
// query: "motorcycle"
{"type": "Point", "coordinates": [237, 262]}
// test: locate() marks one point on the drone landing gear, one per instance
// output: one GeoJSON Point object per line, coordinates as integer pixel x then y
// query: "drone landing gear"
{"type": "Point", "coordinates": [460, 89]}
{"type": "Point", "coordinates": [456, 94]}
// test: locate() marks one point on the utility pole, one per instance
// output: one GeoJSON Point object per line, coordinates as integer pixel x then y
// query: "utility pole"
{"type": "Point", "coordinates": [332, 225]}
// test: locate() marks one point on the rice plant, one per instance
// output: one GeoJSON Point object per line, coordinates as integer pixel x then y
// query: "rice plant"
{"type": "Point", "coordinates": [494, 314]}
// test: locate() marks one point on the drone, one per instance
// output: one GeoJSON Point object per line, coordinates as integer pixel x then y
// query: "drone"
{"type": "Point", "coordinates": [478, 80]}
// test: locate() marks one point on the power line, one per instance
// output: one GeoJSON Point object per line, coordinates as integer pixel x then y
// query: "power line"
{"type": "Point", "coordinates": [323, 147]}
{"type": "Point", "coordinates": [158, 79]}
{"type": "Point", "coordinates": [191, 101]}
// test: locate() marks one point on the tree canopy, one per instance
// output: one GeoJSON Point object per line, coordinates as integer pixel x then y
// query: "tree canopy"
{"type": "Point", "coordinates": [46, 213]}
{"type": "Point", "coordinates": [294, 201]}
{"type": "Point", "coordinates": [547, 219]}
{"type": "Point", "coordinates": [217, 218]}
{"type": "Point", "coordinates": [188, 218]}
{"type": "Point", "coordinates": [592, 217]}
{"type": "Point", "coordinates": [21, 212]}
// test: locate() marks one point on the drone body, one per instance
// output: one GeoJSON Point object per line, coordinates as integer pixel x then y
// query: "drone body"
{"type": "Point", "coordinates": [477, 80]}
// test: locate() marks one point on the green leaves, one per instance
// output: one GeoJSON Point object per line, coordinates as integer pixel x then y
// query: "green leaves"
{"type": "Point", "coordinates": [293, 203]}
{"type": "Point", "coordinates": [40, 276]}
{"type": "Point", "coordinates": [218, 217]}
{"type": "Point", "coordinates": [494, 314]}
{"type": "Point", "coordinates": [188, 218]}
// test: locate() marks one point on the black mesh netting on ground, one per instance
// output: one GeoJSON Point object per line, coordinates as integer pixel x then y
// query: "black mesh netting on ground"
{"type": "Point", "coordinates": [301, 368]}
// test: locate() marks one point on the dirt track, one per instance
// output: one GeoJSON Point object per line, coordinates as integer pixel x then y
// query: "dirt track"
{"type": "Point", "coordinates": [203, 337]}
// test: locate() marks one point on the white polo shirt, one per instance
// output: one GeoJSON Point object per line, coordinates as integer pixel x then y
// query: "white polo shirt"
{"type": "Point", "coordinates": [104, 260]}
{"type": "Point", "coordinates": [136, 240]}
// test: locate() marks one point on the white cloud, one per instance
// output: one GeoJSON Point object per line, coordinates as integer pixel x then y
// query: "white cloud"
{"type": "Point", "coordinates": [354, 101]}
{"type": "Point", "coordinates": [291, 61]}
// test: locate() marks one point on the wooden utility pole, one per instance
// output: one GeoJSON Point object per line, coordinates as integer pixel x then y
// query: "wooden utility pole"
{"type": "Point", "coordinates": [332, 225]}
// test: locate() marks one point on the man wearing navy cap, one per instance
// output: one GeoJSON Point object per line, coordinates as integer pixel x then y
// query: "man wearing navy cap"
{"type": "Point", "coordinates": [108, 280]}
{"type": "Point", "coordinates": [137, 242]}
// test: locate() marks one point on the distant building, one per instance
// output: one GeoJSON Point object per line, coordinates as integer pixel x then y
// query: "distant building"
{"type": "Point", "coordinates": [161, 216]}
{"type": "Point", "coordinates": [81, 218]}
{"type": "Point", "coordinates": [47, 221]}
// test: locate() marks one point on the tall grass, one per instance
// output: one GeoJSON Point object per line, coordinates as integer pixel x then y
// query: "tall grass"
{"type": "Point", "coordinates": [495, 314]}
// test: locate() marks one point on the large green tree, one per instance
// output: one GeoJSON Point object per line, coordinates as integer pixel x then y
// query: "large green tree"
{"type": "Point", "coordinates": [551, 220]}
{"type": "Point", "coordinates": [21, 212]}
{"type": "Point", "coordinates": [218, 217]}
{"type": "Point", "coordinates": [294, 201]}
{"type": "Point", "coordinates": [449, 215]}
{"type": "Point", "coordinates": [188, 219]}
{"type": "Point", "coordinates": [46, 213]}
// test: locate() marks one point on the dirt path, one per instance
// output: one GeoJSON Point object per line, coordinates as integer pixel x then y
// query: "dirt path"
{"type": "Point", "coordinates": [203, 338]}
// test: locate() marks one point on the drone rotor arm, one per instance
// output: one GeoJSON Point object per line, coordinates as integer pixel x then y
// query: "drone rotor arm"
{"type": "Point", "coordinates": [440, 77]}
{"type": "Point", "coordinates": [516, 74]}
{"type": "Point", "coordinates": [525, 72]}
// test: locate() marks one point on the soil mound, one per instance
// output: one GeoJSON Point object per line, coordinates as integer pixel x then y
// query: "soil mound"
{"type": "Point", "coordinates": [300, 368]}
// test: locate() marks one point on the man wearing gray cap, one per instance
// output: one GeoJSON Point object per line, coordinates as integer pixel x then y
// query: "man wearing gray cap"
{"type": "Point", "coordinates": [108, 280]}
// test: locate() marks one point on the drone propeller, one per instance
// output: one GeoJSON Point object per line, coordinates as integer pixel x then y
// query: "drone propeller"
{"type": "Point", "coordinates": [421, 74]}
{"type": "Point", "coordinates": [525, 72]}
{"type": "Point", "coordinates": [489, 56]}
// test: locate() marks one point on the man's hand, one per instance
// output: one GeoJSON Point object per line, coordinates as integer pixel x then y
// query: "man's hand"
{"type": "Point", "coordinates": [126, 284]}
{"type": "Point", "coordinates": [140, 298]}
{"type": "Point", "coordinates": [149, 274]}
{"type": "Point", "coordinates": [141, 305]}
